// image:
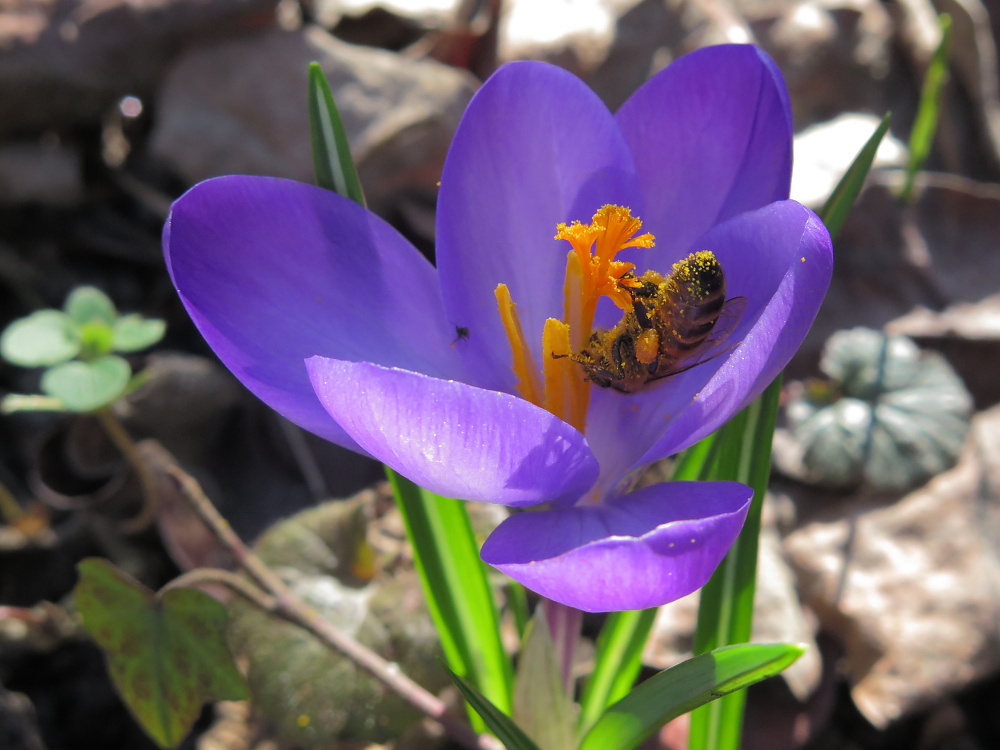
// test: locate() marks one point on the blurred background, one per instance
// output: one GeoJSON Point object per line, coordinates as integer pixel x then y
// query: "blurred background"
{"type": "Point", "coordinates": [110, 109]}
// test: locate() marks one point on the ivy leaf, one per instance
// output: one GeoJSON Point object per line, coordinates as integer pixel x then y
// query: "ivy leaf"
{"type": "Point", "coordinates": [133, 333]}
{"type": "Point", "coordinates": [44, 338]}
{"type": "Point", "coordinates": [86, 386]}
{"type": "Point", "coordinates": [166, 654]}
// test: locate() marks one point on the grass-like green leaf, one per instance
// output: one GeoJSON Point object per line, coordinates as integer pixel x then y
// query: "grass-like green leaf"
{"type": "Point", "coordinates": [133, 333]}
{"type": "Point", "coordinates": [618, 657]}
{"type": "Point", "coordinates": [725, 614]}
{"type": "Point", "coordinates": [332, 160]}
{"type": "Point", "coordinates": [617, 662]}
{"type": "Point", "coordinates": [841, 200]}
{"type": "Point", "coordinates": [742, 451]}
{"type": "Point", "coordinates": [458, 593]}
{"type": "Point", "coordinates": [86, 386]}
{"type": "Point", "coordinates": [517, 603]}
{"type": "Point", "coordinates": [445, 550]}
{"type": "Point", "coordinates": [166, 654]}
{"type": "Point", "coordinates": [509, 733]}
{"type": "Point", "coordinates": [87, 304]}
{"type": "Point", "coordinates": [44, 338]}
{"type": "Point", "coordinates": [925, 126]}
{"type": "Point", "coordinates": [680, 689]}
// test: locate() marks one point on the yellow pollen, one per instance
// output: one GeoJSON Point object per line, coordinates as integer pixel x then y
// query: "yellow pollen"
{"type": "Point", "coordinates": [591, 273]}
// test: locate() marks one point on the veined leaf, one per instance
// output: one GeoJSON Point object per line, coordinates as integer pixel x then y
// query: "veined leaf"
{"type": "Point", "coordinates": [166, 654]}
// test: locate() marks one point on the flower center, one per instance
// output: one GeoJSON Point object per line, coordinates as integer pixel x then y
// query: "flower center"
{"type": "Point", "coordinates": [592, 272]}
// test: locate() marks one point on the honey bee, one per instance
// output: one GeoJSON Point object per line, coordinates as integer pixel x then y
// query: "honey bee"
{"type": "Point", "coordinates": [676, 323]}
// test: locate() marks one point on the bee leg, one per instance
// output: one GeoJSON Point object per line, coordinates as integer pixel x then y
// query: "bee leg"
{"type": "Point", "coordinates": [600, 377]}
{"type": "Point", "coordinates": [641, 316]}
{"type": "Point", "coordinates": [622, 351]}
{"type": "Point", "coordinates": [652, 366]}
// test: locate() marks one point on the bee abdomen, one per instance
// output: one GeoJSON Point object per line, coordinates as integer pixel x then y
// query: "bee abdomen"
{"type": "Point", "coordinates": [694, 295]}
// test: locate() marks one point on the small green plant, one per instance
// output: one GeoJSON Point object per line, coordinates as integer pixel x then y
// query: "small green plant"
{"type": "Point", "coordinates": [890, 415]}
{"type": "Point", "coordinates": [77, 347]}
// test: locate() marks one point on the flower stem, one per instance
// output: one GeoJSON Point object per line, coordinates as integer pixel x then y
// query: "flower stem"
{"type": "Point", "coordinates": [147, 481]}
{"type": "Point", "coordinates": [278, 599]}
{"type": "Point", "coordinates": [564, 626]}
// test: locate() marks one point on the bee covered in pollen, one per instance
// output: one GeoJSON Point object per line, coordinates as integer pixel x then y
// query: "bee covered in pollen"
{"type": "Point", "coordinates": [675, 323]}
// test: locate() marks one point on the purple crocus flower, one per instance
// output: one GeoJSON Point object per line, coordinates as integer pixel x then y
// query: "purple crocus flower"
{"type": "Point", "coordinates": [493, 377]}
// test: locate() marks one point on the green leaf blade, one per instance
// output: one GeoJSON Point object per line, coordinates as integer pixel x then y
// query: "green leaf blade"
{"type": "Point", "coordinates": [42, 339]}
{"type": "Point", "coordinates": [457, 589]}
{"type": "Point", "coordinates": [166, 655]}
{"type": "Point", "coordinates": [725, 612]}
{"type": "Point", "coordinates": [617, 662]}
{"type": "Point", "coordinates": [928, 112]}
{"type": "Point", "coordinates": [88, 386]}
{"type": "Point", "coordinates": [838, 205]}
{"type": "Point", "coordinates": [332, 159]}
{"type": "Point", "coordinates": [687, 686]}
{"type": "Point", "coordinates": [509, 733]}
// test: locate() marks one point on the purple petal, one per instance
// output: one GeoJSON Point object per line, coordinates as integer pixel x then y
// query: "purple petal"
{"type": "Point", "coordinates": [711, 137]}
{"type": "Point", "coordinates": [536, 147]}
{"type": "Point", "coordinates": [780, 258]}
{"type": "Point", "coordinates": [642, 550]}
{"type": "Point", "coordinates": [455, 439]}
{"type": "Point", "coordinates": [774, 338]}
{"type": "Point", "coordinates": [273, 272]}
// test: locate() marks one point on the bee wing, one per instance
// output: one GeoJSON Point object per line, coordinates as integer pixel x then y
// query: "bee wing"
{"type": "Point", "coordinates": [714, 345]}
{"type": "Point", "coordinates": [729, 318]}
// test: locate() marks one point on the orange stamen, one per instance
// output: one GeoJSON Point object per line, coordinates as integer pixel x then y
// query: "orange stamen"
{"type": "Point", "coordinates": [591, 273]}
{"type": "Point", "coordinates": [524, 366]}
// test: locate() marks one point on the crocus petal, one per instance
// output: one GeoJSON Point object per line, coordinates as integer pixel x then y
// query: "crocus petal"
{"type": "Point", "coordinates": [535, 148]}
{"type": "Point", "coordinates": [273, 272]}
{"type": "Point", "coordinates": [642, 550]}
{"type": "Point", "coordinates": [768, 346]}
{"type": "Point", "coordinates": [455, 439]}
{"type": "Point", "coordinates": [711, 137]}
{"type": "Point", "coordinates": [780, 258]}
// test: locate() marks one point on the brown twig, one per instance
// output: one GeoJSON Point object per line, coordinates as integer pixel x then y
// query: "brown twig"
{"type": "Point", "coordinates": [123, 441]}
{"type": "Point", "coordinates": [216, 576]}
{"type": "Point", "coordinates": [283, 603]}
